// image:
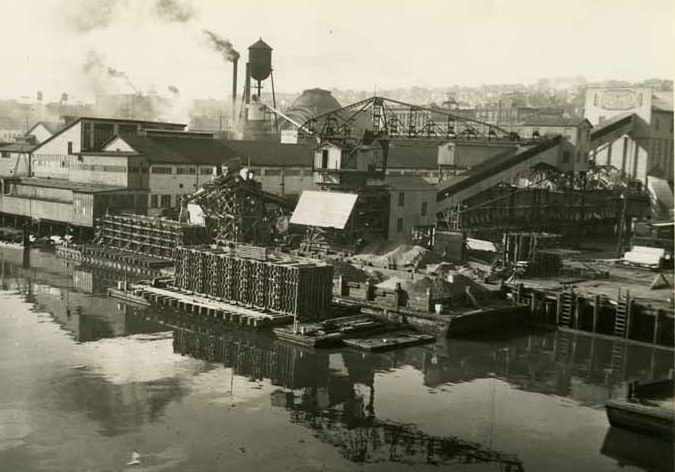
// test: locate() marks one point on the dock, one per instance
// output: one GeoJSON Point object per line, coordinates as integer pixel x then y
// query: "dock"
{"type": "Point", "coordinates": [113, 258]}
{"type": "Point", "coordinates": [208, 308]}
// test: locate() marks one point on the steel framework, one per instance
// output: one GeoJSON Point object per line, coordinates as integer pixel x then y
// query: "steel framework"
{"type": "Point", "coordinates": [402, 121]}
{"type": "Point", "coordinates": [237, 210]}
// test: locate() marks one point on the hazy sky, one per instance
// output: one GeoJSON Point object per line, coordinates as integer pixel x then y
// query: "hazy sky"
{"type": "Point", "coordinates": [67, 45]}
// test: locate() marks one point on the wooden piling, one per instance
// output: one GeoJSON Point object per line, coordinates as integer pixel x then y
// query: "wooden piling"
{"type": "Point", "coordinates": [596, 312]}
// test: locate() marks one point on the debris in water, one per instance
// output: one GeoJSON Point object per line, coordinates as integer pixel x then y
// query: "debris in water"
{"type": "Point", "coordinates": [135, 459]}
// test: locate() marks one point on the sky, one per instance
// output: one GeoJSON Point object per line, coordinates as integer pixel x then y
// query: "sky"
{"type": "Point", "coordinates": [84, 47]}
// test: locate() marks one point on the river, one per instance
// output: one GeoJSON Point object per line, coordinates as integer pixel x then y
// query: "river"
{"type": "Point", "coordinates": [86, 381]}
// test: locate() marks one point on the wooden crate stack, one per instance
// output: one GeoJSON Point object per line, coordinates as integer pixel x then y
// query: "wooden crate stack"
{"type": "Point", "coordinates": [280, 285]}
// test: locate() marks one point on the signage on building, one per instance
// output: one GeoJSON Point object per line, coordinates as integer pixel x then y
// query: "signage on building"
{"type": "Point", "coordinates": [289, 136]}
{"type": "Point", "coordinates": [620, 99]}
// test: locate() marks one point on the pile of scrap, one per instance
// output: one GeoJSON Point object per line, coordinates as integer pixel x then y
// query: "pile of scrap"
{"type": "Point", "coordinates": [394, 255]}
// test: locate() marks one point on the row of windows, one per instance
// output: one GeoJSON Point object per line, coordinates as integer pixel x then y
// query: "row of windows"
{"type": "Point", "coordinates": [181, 170]}
{"type": "Point", "coordinates": [160, 201]}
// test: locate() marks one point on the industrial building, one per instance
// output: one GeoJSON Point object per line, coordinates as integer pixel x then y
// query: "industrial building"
{"type": "Point", "coordinates": [633, 130]}
{"type": "Point", "coordinates": [95, 166]}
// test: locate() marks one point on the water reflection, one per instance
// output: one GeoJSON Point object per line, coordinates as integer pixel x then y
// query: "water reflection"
{"type": "Point", "coordinates": [65, 291]}
{"type": "Point", "coordinates": [129, 380]}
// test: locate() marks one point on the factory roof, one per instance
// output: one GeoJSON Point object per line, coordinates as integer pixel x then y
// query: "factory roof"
{"type": "Point", "coordinates": [68, 185]}
{"type": "Point", "coordinates": [409, 182]}
{"type": "Point", "coordinates": [177, 149]}
{"type": "Point", "coordinates": [72, 121]}
{"type": "Point", "coordinates": [52, 126]}
{"type": "Point", "coordinates": [556, 121]}
{"type": "Point", "coordinates": [272, 153]}
{"type": "Point", "coordinates": [412, 155]}
{"type": "Point", "coordinates": [17, 147]}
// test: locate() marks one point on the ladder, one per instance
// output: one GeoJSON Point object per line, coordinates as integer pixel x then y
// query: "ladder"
{"type": "Point", "coordinates": [567, 308]}
{"type": "Point", "coordinates": [623, 308]}
{"type": "Point", "coordinates": [618, 357]}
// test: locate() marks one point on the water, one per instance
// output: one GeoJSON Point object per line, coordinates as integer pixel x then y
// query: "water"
{"type": "Point", "coordinates": [86, 380]}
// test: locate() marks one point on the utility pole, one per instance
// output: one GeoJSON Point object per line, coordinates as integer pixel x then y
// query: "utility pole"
{"type": "Point", "coordinates": [622, 226]}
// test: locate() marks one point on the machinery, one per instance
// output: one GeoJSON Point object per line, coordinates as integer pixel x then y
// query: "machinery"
{"type": "Point", "coordinates": [235, 209]}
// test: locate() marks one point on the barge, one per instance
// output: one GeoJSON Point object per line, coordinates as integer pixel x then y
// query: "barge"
{"type": "Point", "coordinates": [332, 332]}
{"type": "Point", "coordinates": [648, 409]}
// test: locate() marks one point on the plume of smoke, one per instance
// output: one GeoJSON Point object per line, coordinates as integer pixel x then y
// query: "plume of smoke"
{"type": "Point", "coordinates": [222, 45]}
{"type": "Point", "coordinates": [174, 90]}
{"type": "Point", "coordinates": [84, 17]}
{"type": "Point", "coordinates": [118, 74]}
{"type": "Point", "coordinates": [174, 11]}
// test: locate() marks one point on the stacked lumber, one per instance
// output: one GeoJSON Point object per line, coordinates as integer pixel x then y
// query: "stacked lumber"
{"type": "Point", "coordinates": [277, 284]}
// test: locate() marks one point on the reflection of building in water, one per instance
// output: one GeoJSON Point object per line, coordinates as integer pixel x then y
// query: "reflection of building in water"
{"type": "Point", "coordinates": [325, 395]}
{"type": "Point", "coordinates": [582, 367]}
{"type": "Point", "coordinates": [65, 292]}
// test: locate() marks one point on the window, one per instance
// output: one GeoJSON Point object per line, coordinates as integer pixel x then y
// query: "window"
{"type": "Point", "coordinates": [578, 156]}
{"type": "Point", "coordinates": [160, 170]}
{"type": "Point", "coordinates": [153, 201]}
{"type": "Point", "coordinates": [424, 209]}
{"type": "Point", "coordinates": [4, 154]}
{"type": "Point", "coordinates": [656, 124]}
{"type": "Point", "coordinates": [324, 159]}
{"type": "Point", "coordinates": [291, 172]}
{"type": "Point", "coordinates": [186, 171]}
{"type": "Point", "coordinates": [272, 171]}
{"type": "Point", "coordinates": [166, 201]}
{"type": "Point", "coordinates": [206, 171]}
{"type": "Point", "coordinates": [70, 147]}
{"type": "Point", "coordinates": [566, 157]}
{"type": "Point", "coordinates": [399, 225]}
{"type": "Point", "coordinates": [401, 199]}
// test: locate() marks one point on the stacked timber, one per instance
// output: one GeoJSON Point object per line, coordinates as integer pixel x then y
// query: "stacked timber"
{"type": "Point", "coordinates": [145, 235]}
{"type": "Point", "coordinates": [276, 284]}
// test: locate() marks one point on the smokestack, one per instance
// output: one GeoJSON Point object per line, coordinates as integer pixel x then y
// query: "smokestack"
{"type": "Point", "coordinates": [235, 61]}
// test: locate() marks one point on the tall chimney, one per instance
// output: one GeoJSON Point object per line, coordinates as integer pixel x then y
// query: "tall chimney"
{"type": "Point", "coordinates": [234, 89]}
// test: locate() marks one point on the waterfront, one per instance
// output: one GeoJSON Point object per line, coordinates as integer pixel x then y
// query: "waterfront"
{"type": "Point", "coordinates": [87, 380]}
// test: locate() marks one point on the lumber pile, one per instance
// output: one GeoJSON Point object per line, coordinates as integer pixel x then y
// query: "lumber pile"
{"type": "Point", "coordinates": [277, 284]}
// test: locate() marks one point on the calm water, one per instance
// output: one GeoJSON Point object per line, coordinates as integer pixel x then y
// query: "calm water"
{"type": "Point", "coordinates": [86, 380]}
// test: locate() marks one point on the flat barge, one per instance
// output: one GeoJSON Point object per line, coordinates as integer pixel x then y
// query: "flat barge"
{"type": "Point", "coordinates": [648, 409]}
{"type": "Point", "coordinates": [332, 332]}
{"type": "Point", "coordinates": [394, 341]}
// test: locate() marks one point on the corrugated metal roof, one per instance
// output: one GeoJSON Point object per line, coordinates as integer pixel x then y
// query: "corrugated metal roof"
{"type": "Point", "coordinates": [324, 209]}
{"type": "Point", "coordinates": [173, 149]}
{"type": "Point", "coordinates": [272, 153]}
{"type": "Point", "coordinates": [415, 155]}
{"type": "Point", "coordinates": [554, 121]}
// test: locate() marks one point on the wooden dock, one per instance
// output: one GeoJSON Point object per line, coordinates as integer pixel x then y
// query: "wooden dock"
{"type": "Point", "coordinates": [119, 259]}
{"type": "Point", "coordinates": [209, 308]}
